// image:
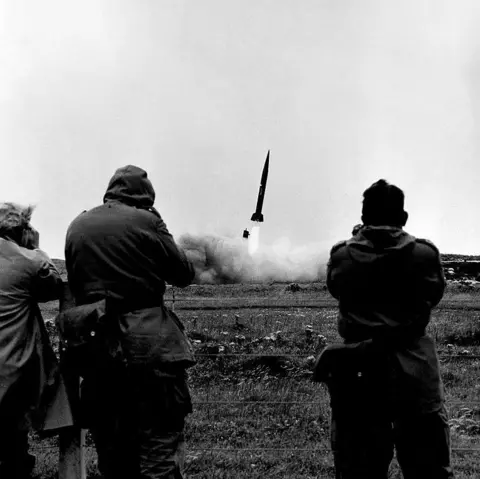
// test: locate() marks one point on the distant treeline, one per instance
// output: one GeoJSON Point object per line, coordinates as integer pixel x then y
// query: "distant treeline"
{"type": "Point", "coordinates": [460, 257]}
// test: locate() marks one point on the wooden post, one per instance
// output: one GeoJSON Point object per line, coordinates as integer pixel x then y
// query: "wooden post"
{"type": "Point", "coordinates": [71, 463]}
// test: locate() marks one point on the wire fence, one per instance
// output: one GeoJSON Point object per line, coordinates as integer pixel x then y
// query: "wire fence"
{"type": "Point", "coordinates": [276, 303]}
{"type": "Point", "coordinates": [250, 304]}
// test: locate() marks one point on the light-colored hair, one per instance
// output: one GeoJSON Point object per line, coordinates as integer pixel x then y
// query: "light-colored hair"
{"type": "Point", "coordinates": [13, 216]}
{"type": "Point", "coordinates": [15, 222]}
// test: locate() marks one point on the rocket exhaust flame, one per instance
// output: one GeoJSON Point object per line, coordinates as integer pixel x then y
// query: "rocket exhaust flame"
{"type": "Point", "coordinates": [254, 240]}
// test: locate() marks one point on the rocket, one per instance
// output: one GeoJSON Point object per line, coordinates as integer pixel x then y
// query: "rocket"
{"type": "Point", "coordinates": [257, 215]}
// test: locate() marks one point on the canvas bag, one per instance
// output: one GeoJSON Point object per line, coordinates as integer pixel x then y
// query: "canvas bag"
{"type": "Point", "coordinates": [152, 336]}
{"type": "Point", "coordinates": [87, 335]}
{"type": "Point", "coordinates": [356, 374]}
{"type": "Point", "coordinates": [155, 337]}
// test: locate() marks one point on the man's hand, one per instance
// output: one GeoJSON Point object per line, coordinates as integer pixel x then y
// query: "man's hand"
{"type": "Point", "coordinates": [356, 229]}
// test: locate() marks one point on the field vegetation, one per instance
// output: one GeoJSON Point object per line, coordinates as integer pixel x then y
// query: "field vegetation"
{"type": "Point", "coordinates": [257, 413]}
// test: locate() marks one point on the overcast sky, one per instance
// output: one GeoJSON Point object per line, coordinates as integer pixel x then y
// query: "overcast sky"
{"type": "Point", "coordinates": [343, 92]}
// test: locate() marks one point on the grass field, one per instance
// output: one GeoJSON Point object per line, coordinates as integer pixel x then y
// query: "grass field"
{"type": "Point", "coordinates": [257, 413]}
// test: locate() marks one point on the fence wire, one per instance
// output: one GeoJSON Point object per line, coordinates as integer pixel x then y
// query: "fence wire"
{"type": "Point", "coordinates": [306, 356]}
{"type": "Point", "coordinates": [234, 304]}
{"type": "Point", "coordinates": [244, 304]}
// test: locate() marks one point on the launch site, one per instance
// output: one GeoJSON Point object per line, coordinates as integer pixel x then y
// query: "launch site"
{"type": "Point", "coordinates": [257, 412]}
{"type": "Point", "coordinates": [257, 323]}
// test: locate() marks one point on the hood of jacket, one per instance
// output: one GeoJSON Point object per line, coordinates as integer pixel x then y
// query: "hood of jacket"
{"type": "Point", "coordinates": [130, 185]}
{"type": "Point", "coordinates": [375, 243]}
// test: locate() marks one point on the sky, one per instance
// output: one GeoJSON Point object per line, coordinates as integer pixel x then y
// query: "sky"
{"type": "Point", "coordinates": [342, 92]}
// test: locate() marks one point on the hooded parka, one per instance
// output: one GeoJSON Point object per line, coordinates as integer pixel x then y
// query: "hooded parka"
{"type": "Point", "coordinates": [123, 247]}
{"type": "Point", "coordinates": [122, 251]}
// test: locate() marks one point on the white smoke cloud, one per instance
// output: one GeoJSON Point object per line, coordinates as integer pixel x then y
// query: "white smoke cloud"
{"type": "Point", "coordinates": [219, 259]}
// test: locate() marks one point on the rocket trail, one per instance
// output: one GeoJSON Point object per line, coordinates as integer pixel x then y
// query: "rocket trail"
{"type": "Point", "coordinates": [257, 215]}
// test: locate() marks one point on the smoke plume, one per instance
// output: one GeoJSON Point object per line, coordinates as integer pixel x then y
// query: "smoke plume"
{"type": "Point", "coordinates": [220, 260]}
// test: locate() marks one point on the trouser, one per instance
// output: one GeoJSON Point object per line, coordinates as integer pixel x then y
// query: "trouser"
{"type": "Point", "coordinates": [375, 410]}
{"type": "Point", "coordinates": [363, 444]}
{"type": "Point", "coordinates": [15, 460]}
{"type": "Point", "coordinates": [136, 417]}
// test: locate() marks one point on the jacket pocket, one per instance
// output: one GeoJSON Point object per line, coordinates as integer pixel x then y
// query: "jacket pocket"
{"type": "Point", "coordinates": [156, 337]}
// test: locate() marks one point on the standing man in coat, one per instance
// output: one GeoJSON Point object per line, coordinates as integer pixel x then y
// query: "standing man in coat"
{"type": "Point", "coordinates": [122, 251]}
{"type": "Point", "coordinates": [384, 381]}
{"type": "Point", "coordinates": [27, 362]}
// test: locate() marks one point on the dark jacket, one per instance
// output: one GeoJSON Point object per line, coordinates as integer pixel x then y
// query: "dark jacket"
{"type": "Point", "coordinates": [387, 282]}
{"type": "Point", "coordinates": [26, 356]}
{"type": "Point", "coordinates": [123, 251]}
{"type": "Point", "coordinates": [123, 246]}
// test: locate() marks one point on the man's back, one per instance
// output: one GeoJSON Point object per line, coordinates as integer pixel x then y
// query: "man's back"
{"type": "Point", "coordinates": [124, 247]}
{"type": "Point", "coordinates": [384, 381]}
{"type": "Point", "coordinates": [384, 278]}
{"type": "Point", "coordinates": [27, 362]}
{"type": "Point", "coordinates": [27, 276]}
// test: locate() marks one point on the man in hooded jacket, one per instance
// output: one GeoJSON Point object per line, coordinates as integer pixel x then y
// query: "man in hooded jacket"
{"type": "Point", "coordinates": [384, 381]}
{"type": "Point", "coordinates": [135, 409]}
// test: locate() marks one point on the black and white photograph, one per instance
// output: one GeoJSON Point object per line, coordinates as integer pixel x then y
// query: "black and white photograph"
{"type": "Point", "coordinates": [240, 239]}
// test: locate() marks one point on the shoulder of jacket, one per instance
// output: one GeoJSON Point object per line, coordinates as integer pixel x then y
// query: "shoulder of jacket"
{"type": "Point", "coordinates": [82, 214]}
{"type": "Point", "coordinates": [84, 211]}
{"type": "Point", "coordinates": [337, 246]}
{"type": "Point", "coordinates": [77, 218]}
{"type": "Point", "coordinates": [29, 254]}
{"type": "Point", "coordinates": [429, 244]}
{"type": "Point", "coordinates": [36, 258]}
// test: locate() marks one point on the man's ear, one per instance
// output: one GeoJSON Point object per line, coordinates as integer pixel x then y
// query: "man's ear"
{"type": "Point", "coordinates": [405, 218]}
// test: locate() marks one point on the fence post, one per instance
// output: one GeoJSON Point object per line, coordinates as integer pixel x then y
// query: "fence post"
{"type": "Point", "coordinates": [71, 463]}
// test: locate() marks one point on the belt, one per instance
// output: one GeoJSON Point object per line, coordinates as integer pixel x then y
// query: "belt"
{"type": "Point", "coordinates": [126, 306]}
{"type": "Point", "coordinates": [121, 306]}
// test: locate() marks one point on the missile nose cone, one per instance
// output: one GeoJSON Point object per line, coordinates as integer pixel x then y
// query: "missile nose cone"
{"type": "Point", "coordinates": [263, 181]}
